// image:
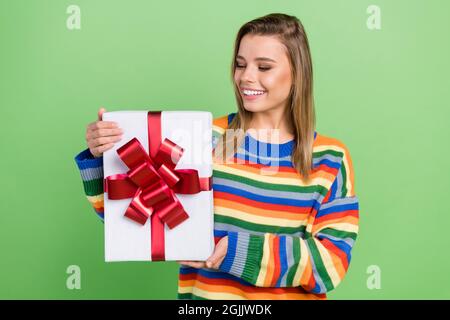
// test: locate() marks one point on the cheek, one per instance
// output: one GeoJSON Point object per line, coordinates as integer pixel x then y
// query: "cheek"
{"type": "Point", "coordinates": [237, 76]}
{"type": "Point", "coordinates": [277, 84]}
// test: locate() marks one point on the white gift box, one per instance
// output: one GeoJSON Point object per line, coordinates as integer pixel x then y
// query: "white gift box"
{"type": "Point", "coordinates": [127, 240]}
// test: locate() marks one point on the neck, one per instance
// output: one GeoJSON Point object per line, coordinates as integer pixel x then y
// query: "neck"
{"type": "Point", "coordinates": [272, 125]}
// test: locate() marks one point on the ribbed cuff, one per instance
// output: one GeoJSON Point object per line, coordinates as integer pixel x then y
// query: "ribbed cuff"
{"type": "Point", "coordinates": [228, 260]}
{"type": "Point", "coordinates": [85, 160]}
{"type": "Point", "coordinates": [91, 171]}
{"type": "Point", "coordinates": [243, 258]}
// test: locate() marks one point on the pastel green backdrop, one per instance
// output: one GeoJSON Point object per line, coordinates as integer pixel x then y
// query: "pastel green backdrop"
{"type": "Point", "coordinates": [384, 93]}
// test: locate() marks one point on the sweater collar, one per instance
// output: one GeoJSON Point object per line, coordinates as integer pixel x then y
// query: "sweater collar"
{"type": "Point", "coordinates": [274, 150]}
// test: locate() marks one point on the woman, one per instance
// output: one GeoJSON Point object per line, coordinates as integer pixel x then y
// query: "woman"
{"type": "Point", "coordinates": [285, 210]}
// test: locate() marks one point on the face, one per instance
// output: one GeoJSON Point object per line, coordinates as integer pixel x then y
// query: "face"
{"type": "Point", "coordinates": [262, 65]}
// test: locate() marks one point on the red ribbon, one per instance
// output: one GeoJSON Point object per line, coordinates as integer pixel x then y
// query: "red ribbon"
{"type": "Point", "coordinates": [152, 182]}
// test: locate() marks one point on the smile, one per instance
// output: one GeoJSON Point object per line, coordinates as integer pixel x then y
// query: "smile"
{"type": "Point", "coordinates": [252, 92]}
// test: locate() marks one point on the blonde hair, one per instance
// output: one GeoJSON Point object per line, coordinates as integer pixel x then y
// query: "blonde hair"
{"type": "Point", "coordinates": [290, 32]}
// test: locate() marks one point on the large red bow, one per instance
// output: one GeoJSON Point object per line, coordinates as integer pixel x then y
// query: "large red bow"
{"type": "Point", "coordinates": [152, 182]}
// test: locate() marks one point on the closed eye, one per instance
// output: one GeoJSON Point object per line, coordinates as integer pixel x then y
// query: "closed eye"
{"type": "Point", "coordinates": [260, 68]}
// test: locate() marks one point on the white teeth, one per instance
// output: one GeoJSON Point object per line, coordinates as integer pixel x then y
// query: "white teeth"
{"type": "Point", "coordinates": [252, 92]}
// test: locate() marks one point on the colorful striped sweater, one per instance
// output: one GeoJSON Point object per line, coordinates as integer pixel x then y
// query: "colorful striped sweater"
{"type": "Point", "coordinates": [286, 239]}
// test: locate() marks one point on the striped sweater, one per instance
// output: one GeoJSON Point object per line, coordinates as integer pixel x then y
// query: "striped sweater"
{"type": "Point", "coordinates": [286, 239]}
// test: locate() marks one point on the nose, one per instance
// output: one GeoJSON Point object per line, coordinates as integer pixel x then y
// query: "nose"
{"type": "Point", "coordinates": [248, 76]}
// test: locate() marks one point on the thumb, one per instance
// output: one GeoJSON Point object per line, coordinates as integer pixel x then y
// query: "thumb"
{"type": "Point", "coordinates": [100, 113]}
{"type": "Point", "coordinates": [218, 253]}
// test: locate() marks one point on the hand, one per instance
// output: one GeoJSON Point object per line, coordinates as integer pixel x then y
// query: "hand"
{"type": "Point", "coordinates": [101, 135]}
{"type": "Point", "coordinates": [194, 264]}
{"type": "Point", "coordinates": [216, 258]}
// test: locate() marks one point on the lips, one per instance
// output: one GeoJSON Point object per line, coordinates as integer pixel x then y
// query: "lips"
{"type": "Point", "coordinates": [252, 92]}
{"type": "Point", "coordinates": [251, 89]}
{"type": "Point", "coordinates": [252, 97]}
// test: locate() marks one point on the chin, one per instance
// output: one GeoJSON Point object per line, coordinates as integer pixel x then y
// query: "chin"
{"type": "Point", "coordinates": [254, 107]}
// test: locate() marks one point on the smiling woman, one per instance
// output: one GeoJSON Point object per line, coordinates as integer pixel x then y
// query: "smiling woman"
{"type": "Point", "coordinates": [285, 211]}
{"type": "Point", "coordinates": [287, 234]}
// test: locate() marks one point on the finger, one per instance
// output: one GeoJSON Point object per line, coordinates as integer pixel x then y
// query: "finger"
{"type": "Point", "coordinates": [213, 259]}
{"type": "Point", "coordinates": [194, 264]}
{"type": "Point", "coordinates": [198, 265]}
{"type": "Point", "coordinates": [92, 134]}
{"type": "Point", "coordinates": [97, 142]}
{"type": "Point", "coordinates": [101, 149]}
{"type": "Point", "coordinates": [103, 125]}
{"type": "Point", "coordinates": [104, 140]}
{"type": "Point", "coordinates": [100, 113]}
{"type": "Point", "coordinates": [217, 264]}
{"type": "Point", "coordinates": [214, 262]}
{"type": "Point", "coordinates": [218, 254]}
{"type": "Point", "coordinates": [188, 263]}
{"type": "Point", "coordinates": [90, 126]}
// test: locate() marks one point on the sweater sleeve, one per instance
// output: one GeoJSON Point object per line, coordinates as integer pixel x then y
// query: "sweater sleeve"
{"type": "Point", "coordinates": [91, 170]}
{"type": "Point", "coordinates": [318, 261]}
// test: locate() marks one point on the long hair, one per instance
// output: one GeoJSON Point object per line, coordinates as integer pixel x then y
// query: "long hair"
{"type": "Point", "coordinates": [289, 30]}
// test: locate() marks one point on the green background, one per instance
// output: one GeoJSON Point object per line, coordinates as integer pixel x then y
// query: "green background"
{"type": "Point", "coordinates": [384, 93]}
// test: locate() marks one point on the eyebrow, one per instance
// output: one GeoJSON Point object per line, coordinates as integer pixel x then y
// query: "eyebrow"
{"type": "Point", "coordinates": [258, 59]}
